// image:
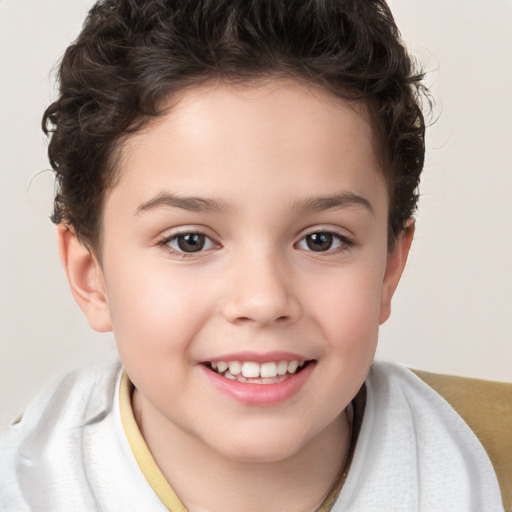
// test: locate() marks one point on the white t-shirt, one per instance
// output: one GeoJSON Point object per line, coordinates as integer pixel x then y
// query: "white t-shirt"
{"type": "Point", "coordinates": [414, 453]}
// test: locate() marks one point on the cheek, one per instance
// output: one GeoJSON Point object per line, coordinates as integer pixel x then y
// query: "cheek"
{"type": "Point", "coordinates": [348, 315]}
{"type": "Point", "coordinates": [347, 312]}
{"type": "Point", "coordinates": [349, 299]}
{"type": "Point", "coordinates": [155, 311]}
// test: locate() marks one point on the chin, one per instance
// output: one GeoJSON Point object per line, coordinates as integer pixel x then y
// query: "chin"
{"type": "Point", "coordinates": [267, 446]}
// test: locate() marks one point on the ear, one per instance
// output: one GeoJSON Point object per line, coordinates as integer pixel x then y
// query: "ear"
{"type": "Point", "coordinates": [85, 278]}
{"type": "Point", "coordinates": [394, 268]}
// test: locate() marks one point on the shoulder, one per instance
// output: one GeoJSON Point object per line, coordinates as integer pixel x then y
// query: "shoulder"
{"type": "Point", "coordinates": [413, 447]}
{"type": "Point", "coordinates": [486, 407]}
{"type": "Point", "coordinates": [77, 396]}
{"type": "Point", "coordinates": [46, 445]}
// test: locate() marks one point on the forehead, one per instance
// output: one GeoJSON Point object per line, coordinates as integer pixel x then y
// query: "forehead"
{"type": "Point", "coordinates": [224, 140]}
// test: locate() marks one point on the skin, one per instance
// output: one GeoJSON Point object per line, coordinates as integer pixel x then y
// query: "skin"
{"type": "Point", "coordinates": [263, 153]}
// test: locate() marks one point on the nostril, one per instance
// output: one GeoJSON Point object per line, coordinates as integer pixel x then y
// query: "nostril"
{"type": "Point", "coordinates": [246, 307]}
{"type": "Point", "coordinates": [280, 319]}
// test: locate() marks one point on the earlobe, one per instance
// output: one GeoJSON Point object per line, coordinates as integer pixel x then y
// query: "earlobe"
{"type": "Point", "coordinates": [85, 278]}
{"type": "Point", "coordinates": [394, 268]}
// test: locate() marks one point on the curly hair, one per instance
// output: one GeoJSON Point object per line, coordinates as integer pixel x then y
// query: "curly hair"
{"type": "Point", "coordinates": [132, 55]}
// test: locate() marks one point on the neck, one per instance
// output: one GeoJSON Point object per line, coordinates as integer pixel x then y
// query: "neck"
{"type": "Point", "coordinates": [206, 481]}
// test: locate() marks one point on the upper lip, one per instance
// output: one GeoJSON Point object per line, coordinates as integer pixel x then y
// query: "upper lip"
{"type": "Point", "coordinates": [260, 358]}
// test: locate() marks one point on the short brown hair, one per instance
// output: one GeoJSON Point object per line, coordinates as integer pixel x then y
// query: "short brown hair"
{"type": "Point", "coordinates": [133, 54]}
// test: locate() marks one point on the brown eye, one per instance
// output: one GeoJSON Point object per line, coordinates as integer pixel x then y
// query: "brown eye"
{"type": "Point", "coordinates": [325, 241]}
{"type": "Point", "coordinates": [319, 242]}
{"type": "Point", "coordinates": [191, 242]}
{"type": "Point", "coordinates": [188, 243]}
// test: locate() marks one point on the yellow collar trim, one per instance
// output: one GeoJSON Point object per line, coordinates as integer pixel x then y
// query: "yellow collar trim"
{"type": "Point", "coordinates": [161, 486]}
{"type": "Point", "coordinates": [141, 451]}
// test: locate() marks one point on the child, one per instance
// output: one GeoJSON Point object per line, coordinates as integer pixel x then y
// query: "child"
{"type": "Point", "coordinates": [236, 188]}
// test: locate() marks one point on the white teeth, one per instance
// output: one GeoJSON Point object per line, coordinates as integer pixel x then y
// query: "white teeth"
{"type": "Point", "coordinates": [268, 370]}
{"type": "Point", "coordinates": [241, 371]}
{"type": "Point", "coordinates": [222, 366]}
{"type": "Point", "coordinates": [292, 366]}
{"type": "Point", "coordinates": [250, 369]}
{"type": "Point", "coordinates": [235, 367]}
{"type": "Point", "coordinates": [282, 367]}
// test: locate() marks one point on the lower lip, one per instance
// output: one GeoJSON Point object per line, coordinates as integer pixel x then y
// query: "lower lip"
{"type": "Point", "coordinates": [260, 394]}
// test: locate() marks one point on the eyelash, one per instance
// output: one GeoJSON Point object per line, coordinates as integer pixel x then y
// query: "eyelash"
{"type": "Point", "coordinates": [166, 241]}
{"type": "Point", "coordinates": [345, 243]}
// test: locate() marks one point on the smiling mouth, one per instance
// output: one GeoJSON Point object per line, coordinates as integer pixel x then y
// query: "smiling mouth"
{"type": "Point", "coordinates": [251, 372]}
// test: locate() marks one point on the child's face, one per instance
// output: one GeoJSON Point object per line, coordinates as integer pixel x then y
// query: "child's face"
{"type": "Point", "coordinates": [248, 225]}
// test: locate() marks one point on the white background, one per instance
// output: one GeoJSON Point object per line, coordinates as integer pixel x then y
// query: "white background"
{"type": "Point", "coordinates": [453, 310]}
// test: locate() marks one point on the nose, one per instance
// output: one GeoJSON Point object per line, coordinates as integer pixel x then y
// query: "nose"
{"type": "Point", "coordinates": [261, 292]}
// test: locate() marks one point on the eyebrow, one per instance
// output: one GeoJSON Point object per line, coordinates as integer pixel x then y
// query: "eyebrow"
{"type": "Point", "coordinates": [341, 200]}
{"type": "Point", "coordinates": [201, 204]}
{"type": "Point", "coordinates": [193, 204]}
